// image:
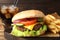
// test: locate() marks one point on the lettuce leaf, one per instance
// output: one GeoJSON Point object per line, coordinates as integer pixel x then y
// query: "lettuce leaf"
{"type": "Point", "coordinates": [42, 29]}
{"type": "Point", "coordinates": [19, 33]}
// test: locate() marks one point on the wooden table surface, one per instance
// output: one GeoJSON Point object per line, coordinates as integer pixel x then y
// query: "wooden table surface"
{"type": "Point", "coordinates": [1, 31]}
{"type": "Point", "coordinates": [2, 35]}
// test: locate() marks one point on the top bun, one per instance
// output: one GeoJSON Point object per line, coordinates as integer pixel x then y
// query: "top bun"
{"type": "Point", "coordinates": [28, 14]}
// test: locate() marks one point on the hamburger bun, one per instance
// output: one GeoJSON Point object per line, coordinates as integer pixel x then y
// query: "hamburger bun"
{"type": "Point", "coordinates": [28, 14]}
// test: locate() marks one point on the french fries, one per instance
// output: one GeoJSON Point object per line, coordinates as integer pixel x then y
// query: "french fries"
{"type": "Point", "coordinates": [53, 23]}
{"type": "Point", "coordinates": [49, 18]}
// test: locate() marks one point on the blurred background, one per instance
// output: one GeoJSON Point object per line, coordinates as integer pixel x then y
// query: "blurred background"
{"type": "Point", "coordinates": [47, 6]}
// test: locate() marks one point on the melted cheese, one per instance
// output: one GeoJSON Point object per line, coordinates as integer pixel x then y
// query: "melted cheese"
{"type": "Point", "coordinates": [30, 27]}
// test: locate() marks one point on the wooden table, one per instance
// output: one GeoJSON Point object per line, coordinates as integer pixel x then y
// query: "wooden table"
{"type": "Point", "coordinates": [2, 35]}
{"type": "Point", "coordinates": [1, 31]}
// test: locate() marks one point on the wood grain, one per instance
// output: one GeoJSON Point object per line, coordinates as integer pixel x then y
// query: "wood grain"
{"type": "Point", "coordinates": [1, 31]}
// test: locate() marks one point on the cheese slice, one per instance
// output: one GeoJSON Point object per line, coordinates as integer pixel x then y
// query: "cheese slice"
{"type": "Point", "coordinates": [30, 27]}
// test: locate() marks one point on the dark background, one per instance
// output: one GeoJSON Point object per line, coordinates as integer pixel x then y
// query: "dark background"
{"type": "Point", "coordinates": [47, 6]}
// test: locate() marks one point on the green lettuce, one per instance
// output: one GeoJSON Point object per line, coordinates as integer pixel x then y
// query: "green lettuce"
{"type": "Point", "coordinates": [28, 33]}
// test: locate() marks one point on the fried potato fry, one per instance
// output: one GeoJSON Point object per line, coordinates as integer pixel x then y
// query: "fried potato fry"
{"type": "Point", "coordinates": [56, 23]}
{"type": "Point", "coordinates": [55, 14]}
{"type": "Point", "coordinates": [53, 23]}
{"type": "Point", "coordinates": [53, 28]}
{"type": "Point", "coordinates": [49, 18]}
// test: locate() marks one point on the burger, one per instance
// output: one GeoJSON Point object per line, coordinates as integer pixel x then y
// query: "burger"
{"type": "Point", "coordinates": [28, 23]}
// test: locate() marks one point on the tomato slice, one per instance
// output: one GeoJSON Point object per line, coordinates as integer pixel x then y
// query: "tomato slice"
{"type": "Point", "coordinates": [27, 21]}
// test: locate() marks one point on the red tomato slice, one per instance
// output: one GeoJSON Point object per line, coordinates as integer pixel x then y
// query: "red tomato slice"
{"type": "Point", "coordinates": [26, 21]}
